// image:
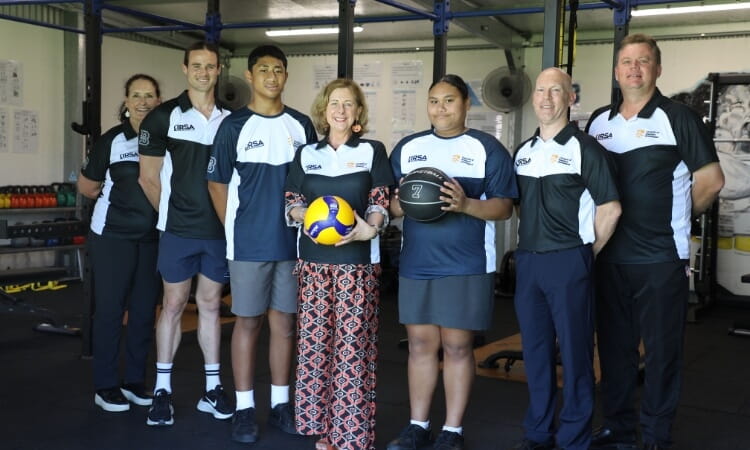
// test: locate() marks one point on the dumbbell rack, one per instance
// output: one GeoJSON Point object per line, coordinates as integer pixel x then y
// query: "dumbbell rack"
{"type": "Point", "coordinates": [45, 230]}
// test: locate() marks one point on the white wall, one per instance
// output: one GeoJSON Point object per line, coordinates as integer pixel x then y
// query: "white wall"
{"type": "Point", "coordinates": [684, 64]}
{"type": "Point", "coordinates": [472, 65]}
{"type": "Point", "coordinates": [39, 50]}
{"type": "Point", "coordinates": [121, 59]}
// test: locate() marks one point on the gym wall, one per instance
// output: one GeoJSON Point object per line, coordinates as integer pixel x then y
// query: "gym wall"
{"type": "Point", "coordinates": [39, 52]}
{"type": "Point", "coordinates": [121, 59]}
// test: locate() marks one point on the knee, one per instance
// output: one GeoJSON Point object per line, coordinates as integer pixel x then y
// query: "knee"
{"type": "Point", "coordinates": [173, 306]}
{"type": "Point", "coordinates": [457, 351]}
{"type": "Point", "coordinates": [249, 324]}
{"type": "Point", "coordinates": [420, 347]}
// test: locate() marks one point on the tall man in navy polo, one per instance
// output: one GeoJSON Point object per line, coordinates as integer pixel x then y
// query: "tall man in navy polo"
{"type": "Point", "coordinates": [568, 209]}
{"type": "Point", "coordinates": [174, 145]}
{"type": "Point", "coordinates": [667, 170]}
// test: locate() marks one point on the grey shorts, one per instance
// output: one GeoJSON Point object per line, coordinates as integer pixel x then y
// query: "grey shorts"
{"type": "Point", "coordinates": [464, 302]}
{"type": "Point", "coordinates": [260, 286]}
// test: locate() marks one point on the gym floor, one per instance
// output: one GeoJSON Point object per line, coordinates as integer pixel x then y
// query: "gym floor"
{"type": "Point", "coordinates": [46, 396]}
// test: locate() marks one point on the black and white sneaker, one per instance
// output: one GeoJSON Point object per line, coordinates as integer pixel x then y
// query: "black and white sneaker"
{"type": "Point", "coordinates": [136, 393]}
{"type": "Point", "coordinates": [244, 426]}
{"type": "Point", "coordinates": [215, 402]}
{"type": "Point", "coordinates": [161, 412]}
{"type": "Point", "coordinates": [111, 400]}
{"type": "Point", "coordinates": [282, 417]}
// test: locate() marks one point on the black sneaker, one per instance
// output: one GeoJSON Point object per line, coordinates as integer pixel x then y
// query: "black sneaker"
{"type": "Point", "coordinates": [448, 440]}
{"type": "Point", "coordinates": [411, 438]}
{"type": "Point", "coordinates": [136, 393]}
{"type": "Point", "coordinates": [216, 402]}
{"type": "Point", "coordinates": [282, 417]}
{"type": "Point", "coordinates": [607, 439]}
{"type": "Point", "coordinates": [161, 412]}
{"type": "Point", "coordinates": [111, 400]}
{"type": "Point", "coordinates": [244, 427]}
{"type": "Point", "coordinates": [528, 444]}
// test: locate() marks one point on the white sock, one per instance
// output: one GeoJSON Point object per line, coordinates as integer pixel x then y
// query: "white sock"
{"type": "Point", "coordinates": [425, 425]}
{"type": "Point", "coordinates": [212, 376]}
{"type": "Point", "coordinates": [163, 377]}
{"type": "Point", "coordinates": [279, 395]}
{"type": "Point", "coordinates": [459, 430]}
{"type": "Point", "coordinates": [245, 399]}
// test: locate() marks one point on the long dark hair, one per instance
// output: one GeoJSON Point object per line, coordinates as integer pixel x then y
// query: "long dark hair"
{"type": "Point", "coordinates": [138, 76]}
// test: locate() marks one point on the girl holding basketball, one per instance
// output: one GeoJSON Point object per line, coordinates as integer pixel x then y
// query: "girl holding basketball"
{"type": "Point", "coordinates": [338, 285]}
{"type": "Point", "coordinates": [446, 270]}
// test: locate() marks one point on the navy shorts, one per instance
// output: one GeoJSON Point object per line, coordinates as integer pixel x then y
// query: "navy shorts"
{"type": "Point", "coordinates": [182, 258]}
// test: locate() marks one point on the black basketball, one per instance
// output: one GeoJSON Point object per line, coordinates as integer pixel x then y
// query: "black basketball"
{"type": "Point", "coordinates": [419, 194]}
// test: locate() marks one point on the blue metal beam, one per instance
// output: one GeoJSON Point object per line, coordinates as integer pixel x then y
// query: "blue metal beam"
{"type": "Point", "coordinates": [36, 2]}
{"type": "Point", "coordinates": [41, 24]}
{"type": "Point", "coordinates": [145, 15]}
{"type": "Point", "coordinates": [401, 6]}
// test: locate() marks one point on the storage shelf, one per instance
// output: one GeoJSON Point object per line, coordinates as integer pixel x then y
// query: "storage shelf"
{"type": "Point", "coordinates": [37, 210]}
{"type": "Point", "coordinates": [54, 248]}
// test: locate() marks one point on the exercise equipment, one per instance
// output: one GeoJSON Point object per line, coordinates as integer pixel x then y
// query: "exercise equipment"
{"type": "Point", "coordinates": [419, 194]}
{"type": "Point", "coordinates": [50, 324]}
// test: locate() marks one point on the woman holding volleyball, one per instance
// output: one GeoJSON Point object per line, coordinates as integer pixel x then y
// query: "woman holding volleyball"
{"type": "Point", "coordinates": [446, 270]}
{"type": "Point", "coordinates": [338, 284]}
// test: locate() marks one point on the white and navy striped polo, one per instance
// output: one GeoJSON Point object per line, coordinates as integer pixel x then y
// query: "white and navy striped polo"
{"type": "Point", "coordinates": [455, 244]}
{"type": "Point", "coordinates": [183, 136]}
{"type": "Point", "coordinates": [655, 153]}
{"type": "Point", "coordinates": [560, 182]}
{"type": "Point", "coordinates": [122, 209]}
{"type": "Point", "coordinates": [252, 154]}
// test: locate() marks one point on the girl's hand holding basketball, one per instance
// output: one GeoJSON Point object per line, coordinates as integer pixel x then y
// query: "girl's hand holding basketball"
{"type": "Point", "coordinates": [454, 196]}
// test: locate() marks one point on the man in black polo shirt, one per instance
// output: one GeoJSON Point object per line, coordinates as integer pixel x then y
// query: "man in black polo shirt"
{"type": "Point", "coordinates": [568, 208]}
{"type": "Point", "coordinates": [667, 170]}
{"type": "Point", "coordinates": [175, 145]}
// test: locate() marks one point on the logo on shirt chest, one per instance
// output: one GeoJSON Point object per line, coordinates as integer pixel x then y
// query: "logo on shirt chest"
{"type": "Point", "coordinates": [129, 155]}
{"type": "Point", "coordinates": [603, 136]}
{"type": "Point", "coordinates": [253, 144]}
{"type": "Point", "coordinates": [557, 159]}
{"type": "Point", "coordinates": [647, 134]}
{"type": "Point", "coordinates": [357, 165]}
{"type": "Point", "coordinates": [183, 127]}
{"type": "Point", "coordinates": [417, 158]}
{"type": "Point", "coordinates": [523, 161]}
{"type": "Point", "coordinates": [463, 160]}
{"type": "Point", "coordinates": [312, 167]}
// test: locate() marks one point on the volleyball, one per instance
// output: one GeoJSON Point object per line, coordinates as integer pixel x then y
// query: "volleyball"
{"type": "Point", "coordinates": [328, 219]}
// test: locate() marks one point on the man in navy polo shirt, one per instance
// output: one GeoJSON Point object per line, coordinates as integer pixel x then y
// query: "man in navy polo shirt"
{"type": "Point", "coordinates": [174, 146]}
{"type": "Point", "coordinates": [568, 208]}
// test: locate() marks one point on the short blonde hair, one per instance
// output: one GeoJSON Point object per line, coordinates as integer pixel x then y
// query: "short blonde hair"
{"type": "Point", "coordinates": [318, 110]}
{"type": "Point", "coordinates": [640, 38]}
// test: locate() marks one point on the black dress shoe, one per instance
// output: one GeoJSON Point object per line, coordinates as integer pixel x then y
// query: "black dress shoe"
{"type": "Point", "coordinates": [653, 446]}
{"type": "Point", "coordinates": [606, 439]}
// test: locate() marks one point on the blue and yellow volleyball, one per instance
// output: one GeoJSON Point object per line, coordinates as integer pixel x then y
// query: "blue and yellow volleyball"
{"type": "Point", "coordinates": [328, 219]}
